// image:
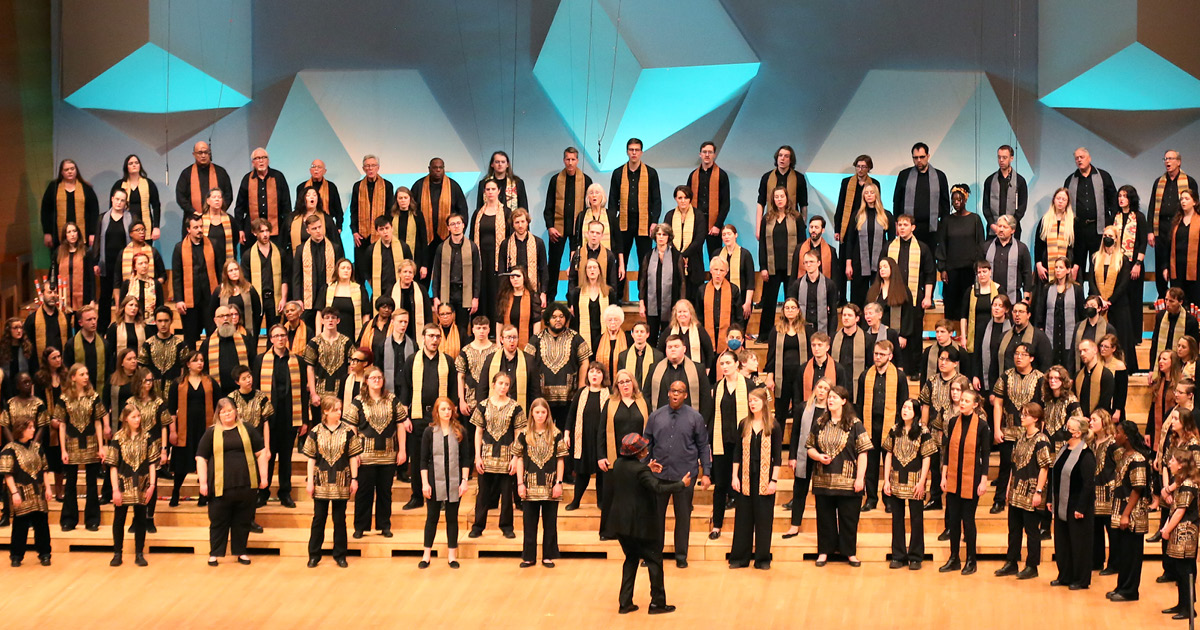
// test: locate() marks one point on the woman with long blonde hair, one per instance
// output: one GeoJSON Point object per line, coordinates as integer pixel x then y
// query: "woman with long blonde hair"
{"type": "Point", "coordinates": [1057, 309]}
{"type": "Point", "coordinates": [81, 419]}
{"type": "Point", "coordinates": [588, 302]}
{"type": "Point", "coordinates": [1167, 372]}
{"type": "Point", "coordinates": [539, 481]}
{"type": "Point", "coordinates": [864, 244]}
{"type": "Point", "coordinates": [756, 462]}
{"type": "Point", "coordinates": [133, 461]}
{"type": "Point", "coordinates": [1056, 235]}
{"type": "Point", "coordinates": [1100, 438]}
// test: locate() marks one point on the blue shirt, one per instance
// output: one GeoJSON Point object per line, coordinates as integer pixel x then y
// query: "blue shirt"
{"type": "Point", "coordinates": [678, 440]}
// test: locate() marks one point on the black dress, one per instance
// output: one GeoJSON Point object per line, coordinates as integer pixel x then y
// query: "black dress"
{"type": "Point", "coordinates": [183, 457]}
{"type": "Point", "coordinates": [586, 450]}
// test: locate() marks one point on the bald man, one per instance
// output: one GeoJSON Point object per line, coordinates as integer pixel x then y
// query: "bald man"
{"type": "Point", "coordinates": [263, 194]}
{"type": "Point", "coordinates": [328, 198]}
{"type": "Point", "coordinates": [1094, 197]}
{"type": "Point", "coordinates": [200, 177]}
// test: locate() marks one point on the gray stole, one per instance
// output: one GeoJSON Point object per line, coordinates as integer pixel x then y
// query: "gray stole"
{"type": "Point", "coordinates": [652, 297]}
{"type": "Point", "coordinates": [390, 359]}
{"type": "Point", "coordinates": [806, 423]}
{"type": "Point", "coordinates": [1064, 483]}
{"type": "Point", "coordinates": [874, 248]}
{"type": "Point", "coordinates": [1098, 190]}
{"type": "Point", "coordinates": [822, 300]}
{"type": "Point", "coordinates": [1066, 299]}
{"type": "Point", "coordinates": [126, 221]}
{"type": "Point", "coordinates": [1010, 200]}
{"type": "Point", "coordinates": [878, 336]}
{"type": "Point", "coordinates": [442, 455]}
{"type": "Point", "coordinates": [987, 351]}
{"type": "Point", "coordinates": [1010, 272]}
{"type": "Point", "coordinates": [910, 194]}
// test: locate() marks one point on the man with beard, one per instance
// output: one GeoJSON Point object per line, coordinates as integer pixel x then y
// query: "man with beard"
{"type": "Point", "coordinates": [195, 276]}
{"type": "Point", "coordinates": [562, 356]}
{"type": "Point", "coordinates": [46, 327]}
{"type": "Point", "coordinates": [225, 351]}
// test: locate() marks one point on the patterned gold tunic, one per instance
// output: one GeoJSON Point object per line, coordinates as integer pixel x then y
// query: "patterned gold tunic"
{"type": "Point", "coordinates": [1182, 543]}
{"type": "Point", "coordinates": [154, 418]}
{"type": "Point", "coordinates": [1030, 456]}
{"type": "Point", "coordinates": [1055, 413]}
{"type": "Point", "coordinates": [1107, 455]}
{"type": "Point", "coordinates": [253, 407]}
{"type": "Point", "coordinates": [133, 454]}
{"type": "Point", "coordinates": [1133, 473]}
{"type": "Point", "coordinates": [540, 452]}
{"type": "Point", "coordinates": [26, 465]}
{"type": "Point", "coordinates": [1016, 390]}
{"type": "Point", "coordinates": [837, 478]}
{"type": "Point", "coordinates": [560, 358]}
{"type": "Point", "coordinates": [33, 409]}
{"type": "Point", "coordinates": [908, 455]}
{"type": "Point", "coordinates": [332, 450]}
{"type": "Point", "coordinates": [79, 416]}
{"type": "Point", "coordinates": [935, 394]}
{"type": "Point", "coordinates": [163, 357]}
{"type": "Point", "coordinates": [500, 424]}
{"type": "Point", "coordinates": [469, 365]}
{"type": "Point", "coordinates": [330, 362]}
{"type": "Point", "coordinates": [377, 422]}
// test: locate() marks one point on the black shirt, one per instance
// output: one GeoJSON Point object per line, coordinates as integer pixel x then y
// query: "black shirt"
{"type": "Point", "coordinates": [237, 472]}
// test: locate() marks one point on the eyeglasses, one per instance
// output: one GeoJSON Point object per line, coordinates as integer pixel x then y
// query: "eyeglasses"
{"type": "Point", "coordinates": [624, 381]}
{"type": "Point", "coordinates": [203, 152]}
{"type": "Point", "coordinates": [357, 360]}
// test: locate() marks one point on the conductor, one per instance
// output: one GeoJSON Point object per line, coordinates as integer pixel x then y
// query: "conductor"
{"type": "Point", "coordinates": [633, 519]}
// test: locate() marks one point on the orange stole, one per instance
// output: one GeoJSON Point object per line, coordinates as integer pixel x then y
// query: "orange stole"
{"type": "Point", "coordinates": [181, 422]}
{"type": "Point", "coordinates": [226, 227]}
{"type": "Point", "coordinates": [966, 466]}
{"type": "Point", "coordinates": [443, 209]}
{"type": "Point", "coordinates": [643, 200]}
{"type": "Point", "coordinates": [607, 357]}
{"type": "Point", "coordinates": [370, 207]}
{"type": "Point", "coordinates": [198, 194]}
{"type": "Point", "coordinates": [188, 282]}
{"type": "Point", "coordinates": [79, 199]}
{"type": "Point", "coordinates": [830, 375]}
{"type": "Point", "coordinates": [523, 324]}
{"type": "Point", "coordinates": [824, 252]}
{"type": "Point", "coordinates": [70, 267]}
{"type": "Point", "coordinates": [300, 342]}
{"type": "Point", "coordinates": [1193, 250]}
{"type": "Point", "coordinates": [272, 202]}
{"type": "Point", "coordinates": [722, 315]}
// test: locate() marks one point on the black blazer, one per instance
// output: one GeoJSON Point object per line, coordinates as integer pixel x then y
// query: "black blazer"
{"type": "Point", "coordinates": [635, 490]}
{"type": "Point", "coordinates": [1082, 495]}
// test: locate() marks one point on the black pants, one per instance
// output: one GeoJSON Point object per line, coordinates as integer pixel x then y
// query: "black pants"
{"type": "Point", "coordinates": [39, 523]}
{"type": "Point", "coordinates": [283, 445]}
{"type": "Point", "coordinates": [1101, 526]}
{"type": "Point", "coordinates": [1087, 241]}
{"type": "Point", "coordinates": [139, 527]}
{"type": "Point", "coordinates": [581, 486]}
{"type": "Point", "coordinates": [270, 316]}
{"type": "Point", "coordinates": [413, 446]}
{"type": "Point", "coordinates": [106, 307]}
{"type": "Point", "coordinates": [960, 520]}
{"type": "Point", "coordinates": [554, 256]}
{"type": "Point", "coordinates": [374, 488]}
{"type": "Point", "coordinates": [954, 292]}
{"type": "Point", "coordinates": [1185, 585]}
{"type": "Point", "coordinates": [837, 524]}
{"type": "Point", "coordinates": [433, 512]}
{"type": "Point", "coordinates": [150, 504]}
{"type": "Point", "coordinates": [722, 476]}
{"type": "Point", "coordinates": [1128, 549]}
{"type": "Point", "coordinates": [229, 519]}
{"type": "Point", "coordinates": [1026, 521]}
{"type": "Point", "coordinates": [799, 498]}
{"type": "Point", "coordinates": [1191, 289]}
{"type": "Point", "coordinates": [653, 327]}
{"type": "Point", "coordinates": [1168, 568]}
{"type": "Point", "coordinates": [194, 321]}
{"type": "Point", "coordinates": [639, 550]}
{"type": "Point", "coordinates": [644, 246]}
{"type": "Point", "coordinates": [1162, 261]}
{"type": "Point", "coordinates": [548, 512]}
{"type": "Point", "coordinates": [491, 487]}
{"type": "Point", "coordinates": [70, 506]}
{"type": "Point", "coordinates": [859, 285]}
{"type": "Point", "coordinates": [713, 245]}
{"type": "Point", "coordinates": [752, 529]}
{"type": "Point", "coordinates": [683, 518]}
{"type": "Point", "coordinates": [1006, 449]}
{"type": "Point", "coordinates": [915, 551]}
{"type": "Point", "coordinates": [935, 477]}
{"type": "Point", "coordinates": [1073, 549]}
{"type": "Point", "coordinates": [786, 382]}
{"type": "Point", "coordinates": [768, 301]}
{"type": "Point", "coordinates": [316, 535]}
{"type": "Point", "coordinates": [874, 458]}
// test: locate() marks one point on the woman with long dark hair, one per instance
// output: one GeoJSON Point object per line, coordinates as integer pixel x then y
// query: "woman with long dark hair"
{"type": "Point", "coordinates": [1181, 531]}
{"type": "Point", "coordinates": [909, 447]}
{"type": "Point", "coordinates": [144, 203]}
{"type": "Point", "coordinates": [192, 398]}
{"type": "Point", "coordinates": [585, 421]}
{"type": "Point", "coordinates": [72, 267]}
{"type": "Point", "coordinates": [1058, 307]}
{"type": "Point", "coordinates": [69, 199]}
{"type": "Point", "coordinates": [780, 231]}
{"type": "Point", "coordinates": [839, 445]}
{"type": "Point", "coordinates": [899, 313]}
{"type": "Point", "coordinates": [1130, 518]}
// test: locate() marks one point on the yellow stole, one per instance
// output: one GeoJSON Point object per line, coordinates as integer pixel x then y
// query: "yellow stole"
{"type": "Point", "coordinates": [523, 325]}
{"type": "Point", "coordinates": [443, 209]}
{"type": "Point", "coordinates": [891, 376]}
{"type": "Point", "coordinates": [149, 295]}
{"type": "Point", "coordinates": [1106, 269]}
{"type": "Point", "coordinates": [608, 357]}
{"type": "Point", "coordinates": [521, 386]}
{"type": "Point", "coordinates": [300, 341]}
{"type": "Point", "coordinates": [643, 194]}
{"type": "Point", "coordinates": [1056, 239]}
{"type": "Point", "coordinates": [913, 274]}
{"type": "Point", "coordinates": [733, 257]}
{"type": "Point", "coordinates": [355, 299]}
{"type": "Point", "coordinates": [585, 313]}
{"type": "Point", "coordinates": [683, 228]}
{"type": "Point", "coordinates": [741, 399]}
{"type": "Point", "coordinates": [588, 217]}
{"type": "Point", "coordinates": [601, 260]}
{"type": "Point", "coordinates": [132, 250]}
{"type": "Point", "coordinates": [226, 227]}
{"type": "Point", "coordinates": [415, 409]}
{"type": "Point", "coordinates": [123, 336]}
{"type": "Point", "coordinates": [272, 201]}
{"type": "Point", "coordinates": [79, 205]}
{"type": "Point", "coordinates": [717, 326]}
{"type": "Point", "coordinates": [101, 364]}
{"type": "Point", "coordinates": [714, 193]}
{"type": "Point", "coordinates": [322, 193]}
{"type": "Point", "coordinates": [256, 273]}
{"type": "Point", "coordinates": [584, 394]}
{"type": "Point", "coordinates": [611, 431]}
{"type": "Point", "coordinates": [199, 194]}
{"type": "Point", "coordinates": [451, 343]}
{"type": "Point", "coordinates": [792, 183]}
{"type": "Point", "coordinates": [764, 460]}
{"type": "Point", "coordinates": [1181, 184]}
{"type": "Point", "coordinates": [40, 324]}
{"type": "Point", "coordinates": [219, 458]}
{"type": "Point", "coordinates": [531, 259]}
{"type": "Point", "coordinates": [1093, 386]}
{"type": "Point", "coordinates": [561, 222]}
{"type": "Point", "coordinates": [377, 264]}
{"type": "Point", "coordinates": [143, 188]}
{"type": "Point", "coordinates": [266, 377]}
{"type": "Point", "coordinates": [501, 227]}
{"type": "Point", "coordinates": [214, 354]}
{"type": "Point", "coordinates": [298, 233]}
{"type": "Point", "coordinates": [370, 207]}
{"type": "Point", "coordinates": [410, 227]}
{"type": "Point", "coordinates": [693, 335]}
{"type": "Point", "coordinates": [416, 319]}
{"type": "Point", "coordinates": [306, 265]}
{"type": "Point", "coordinates": [348, 390]}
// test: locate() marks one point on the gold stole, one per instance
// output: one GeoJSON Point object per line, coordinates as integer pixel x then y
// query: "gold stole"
{"type": "Point", "coordinates": [468, 272]}
{"type": "Point", "coordinates": [631, 361]}
{"type": "Point", "coordinates": [733, 257]}
{"type": "Point", "coordinates": [226, 227]}
{"type": "Point", "coordinates": [689, 370]}
{"type": "Point", "coordinates": [1167, 332]}
{"type": "Point", "coordinates": [40, 324]}
{"type": "Point", "coordinates": [1106, 281]}
{"type": "Point", "coordinates": [561, 222]}
{"type": "Point", "coordinates": [306, 265]}
{"type": "Point", "coordinates": [266, 375]}
{"type": "Point", "coordinates": [417, 317]}
{"type": "Point", "coordinates": [693, 335]}
{"type": "Point", "coordinates": [355, 300]}
{"type": "Point", "coordinates": [256, 274]}
{"type": "Point", "coordinates": [601, 260]}
{"type": "Point", "coordinates": [521, 386]}
{"type": "Point", "coordinates": [143, 188]}
{"type": "Point", "coordinates": [716, 322]}
{"type": "Point", "coordinates": [806, 382]}
{"type": "Point", "coordinates": [132, 250]}
{"type": "Point", "coordinates": [1096, 336]}
{"type": "Point", "coordinates": [123, 336]}
{"type": "Point", "coordinates": [101, 364]}
{"type": "Point", "coordinates": [219, 458]}
{"type": "Point", "coordinates": [643, 200]}
{"type": "Point", "coordinates": [764, 461]}
{"type": "Point", "coordinates": [1006, 339]}
{"type": "Point", "coordinates": [1193, 248]}
{"type": "Point", "coordinates": [300, 341]}
{"type": "Point", "coordinates": [322, 193]}
{"type": "Point", "coordinates": [1181, 184]}
{"type": "Point", "coordinates": [72, 263]}
{"type": "Point", "coordinates": [802, 340]}
{"type": "Point", "coordinates": [824, 252]}
{"type": "Point", "coordinates": [370, 207]}
{"type": "Point", "coordinates": [969, 333]}
{"type": "Point", "coordinates": [185, 250]}
{"type": "Point", "coordinates": [416, 410]}
{"type": "Point", "coordinates": [443, 210]}
{"type": "Point", "coordinates": [198, 194]}
{"type": "Point", "coordinates": [588, 217]}
{"type": "Point", "coordinates": [523, 324]}
{"type": "Point", "coordinates": [792, 183]}
{"type": "Point", "coordinates": [683, 229]}
{"type": "Point", "coordinates": [585, 312]}
{"type": "Point", "coordinates": [607, 352]}
{"type": "Point", "coordinates": [78, 203]}
{"type": "Point", "coordinates": [914, 264]}
{"type": "Point", "coordinates": [714, 193]}
{"type": "Point", "coordinates": [610, 432]}
{"type": "Point", "coordinates": [501, 227]}
{"type": "Point", "coordinates": [377, 264]}
{"type": "Point", "coordinates": [741, 399]}
{"type": "Point", "coordinates": [451, 342]}
{"type": "Point", "coordinates": [410, 227]}
{"type": "Point", "coordinates": [181, 423]}
{"type": "Point", "coordinates": [531, 259]}
{"type": "Point", "coordinates": [272, 201]}
{"type": "Point", "coordinates": [1056, 240]}
{"type": "Point", "coordinates": [1093, 386]}
{"type": "Point", "coordinates": [584, 394]}
{"type": "Point", "coordinates": [789, 226]}
{"type": "Point", "coordinates": [890, 376]}
{"type": "Point", "coordinates": [298, 233]}
{"type": "Point", "coordinates": [848, 204]}
{"type": "Point", "coordinates": [214, 354]}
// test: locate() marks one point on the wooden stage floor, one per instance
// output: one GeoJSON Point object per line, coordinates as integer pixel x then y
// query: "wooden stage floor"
{"type": "Point", "coordinates": [180, 591]}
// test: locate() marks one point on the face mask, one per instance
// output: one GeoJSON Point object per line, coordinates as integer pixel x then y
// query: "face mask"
{"type": "Point", "coordinates": [1090, 312]}
{"type": "Point", "coordinates": [734, 344]}
{"type": "Point", "coordinates": [1109, 241]}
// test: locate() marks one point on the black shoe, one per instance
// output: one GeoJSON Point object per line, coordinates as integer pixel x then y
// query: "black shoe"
{"type": "Point", "coordinates": [1028, 573]}
{"type": "Point", "coordinates": [256, 528]}
{"type": "Point", "coordinates": [341, 562]}
{"type": "Point", "coordinates": [202, 501]}
{"type": "Point", "coordinates": [130, 530]}
{"type": "Point", "coordinates": [786, 536]}
{"type": "Point", "coordinates": [92, 528]}
{"type": "Point", "coordinates": [821, 563]}
{"type": "Point", "coordinates": [969, 567]}
{"type": "Point", "coordinates": [262, 500]}
{"type": "Point", "coordinates": [944, 536]}
{"type": "Point", "coordinates": [660, 610]}
{"type": "Point", "coordinates": [887, 507]}
{"type": "Point", "coordinates": [453, 564]}
{"type": "Point", "coordinates": [953, 564]}
{"type": "Point", "coordinates": [868, 506]}
{"type": "Point", "coordinates": [996, 508]}
{"type": "Point", "coordinates": [16, 563]}
{"type": "Point", "coordinates": [5, 521]}
{"type": "Point", "coordinates": [212, 563]}
{"type": "Point", "coordinates": [1171, 611]}
{"type": "Point", "coordinates": [763, 566]}
{"type": "Point", "coordinates": [424, 564]}
{"type": "Point", "coordinates": [625, 610]}
{"type": "Point", "coordinates": [788, 505]}
{"type": "Point", "coordinates": [387, 533]}
{"type": "Point", "coordinates": [1156, 537]}
{"type": "Point", "coordinates": [413, 504]}
{"type": "Point", "coordinates": [151, 528]}
{"type": "Point", "coordinates": [1109, 571]}
{"type": "Point", "coordinates": [286, 501]}
{"type": "Point", "coordinates": [44, 560]}
{"type": "Point", "coordinates": [174, 502]}
{"type": "Point", "coordinates": [1009, 568]}
{"type": "Point", "coordinates": [571, 507]}
{"type": "Point", "coordinates": [681, 563]}
{"type": "Point", "coordinates": [1046, 535]}
{"type": "Point", "coordinates": [116, 560]}
{"type": "Point", "coordinates": [474, 533]}
{"type": "Point", "coordinates": [242, 560]}
{"type": "Point", "coordinates": [357, 533]}
{"type": "Point", "coordinates": [914, 565]}
{"type": "Point", "coordinates": [1120, 597]}
{"type": "Point", "coordinates": [738, 565]}
{"type": "Point", "coordinates": [313, 562]}
{"type": "Point", "coordinates": [525, 564]}
{"type": "Point", "coordinates": [508, 533]}
{"type": "Point", "coordinates": [1180, 616]}
{"type": "Point", "coordinates": [140, 560]}
{"type": "Point", "coordinates": [68, 528]}
{"type": "Point", "coordinates": [714, 534]}
{"type": "Point", "coordinates": [1078, 587]}
{"type": "Point", "coordinates": [933, 504]}
{"type": "Point", "coordinates": [854, 563]}
{"type": "Point", "coordinates": [896, 564]}
{"type": "Point", "coordinates": [1163, 579]}
{"type": "Point", "coordinates": [1057, 582]}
